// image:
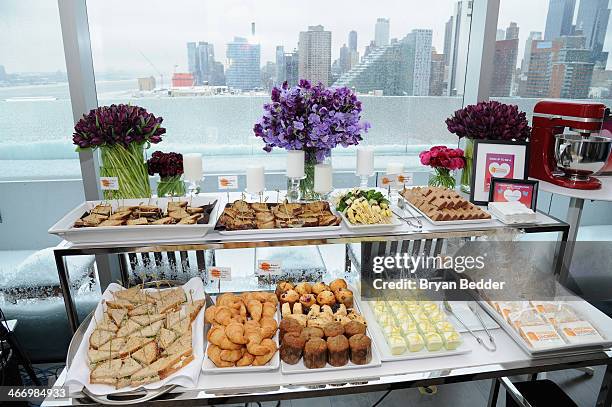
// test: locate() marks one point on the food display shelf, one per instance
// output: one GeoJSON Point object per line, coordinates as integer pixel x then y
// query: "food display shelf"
{"type": "Point", "coordinates": [508, 359]}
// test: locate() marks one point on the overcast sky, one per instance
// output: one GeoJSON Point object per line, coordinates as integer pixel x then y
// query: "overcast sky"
{"type": "Point", "coordinates": [122, 31]}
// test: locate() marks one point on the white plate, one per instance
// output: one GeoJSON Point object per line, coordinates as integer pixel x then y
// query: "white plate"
{"type": "Point", "coordinates": [395, 222]}
{"type": "Point", "coordinates": [385, 351]}
{"type": "Point", "coordinates": [152, 234]}
{"type": "Point", "coordinates": [209, 367]}
{"type": "Point", "coordinates": [299, 367]}
{"type": "Point", "coordinates": [598, 319]}
{"type": "Point", "coordinates": [78, 375]}
{"type": "Point", "coordinates": [448, 222]}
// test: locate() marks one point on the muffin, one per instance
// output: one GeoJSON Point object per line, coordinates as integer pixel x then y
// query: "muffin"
{"type": "Point", "coordinates": [361, 349]}
{"type": "Point", "coordinates": [290, 296]}
{"type": "Point", "coordinates": [344, 296]}
{"type": "Point", "coordinates": [319, 287]}
{"type": "Point", "coordinates": [282, 287]}
{"type": "Point", "coordinates": [326, 298]}
{"type": "Point", "coordinates": [337, 284]}
{"type": "Point", "coordinates": [308, 300]}
{"type": "Point", "coordinates": [354, 328]}
{"type": "Point", "coordinates": [333, 329]}
{"type": "Point", "coordinates": [311, 332]}
{"type": "Point", "coordinates": [303, 288]}
{"type": "Point", "coordinates": [338, 350]}
{"type": "Point", "coordinates": [291, 347]}
{"type": "Point", "coordinates": [289, 325]}
{"type": "Point", "coordinates": [315, 353]}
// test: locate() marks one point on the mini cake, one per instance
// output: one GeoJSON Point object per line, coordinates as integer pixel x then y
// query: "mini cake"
{"type": "Point", "coordinates": [344, 296]}
{"type": "Point", "coordinates": [379, 307]}
{"type": "Point", "coordinates": [429, 307]}
{"type": "Point", "coordinates": [414, 341]}
{"type": "Point", "coordinates": [426, 327]}
{"type": "Point", "coordinates": [282, 287]}
{"type": "Point", "coordinates": [326, 298]}
{"type": "Point", "coordinates": [303, 288]}
{"type": "Point", "coordinates": [412, 307]}
{"type": "Point", "coordinates": [319, 287]}
{"type": "Point", "coordinates": [289, 296]}
{"type": "Point", "coordinates": [291, 347]}
{"type": "Point", "coordinates": [452, 340]}
{"type": "Point", "coordinates": [390, 330]}
{"type": "Point", "coordinates": [386, 319]}
{"type": "Point", "coordinates": [409, 326]}
{"type": "Point", "coordinates": [396, 343]}
{"type": "Point", "coordinates": [354, 328]}
{"type": "Point", "coordinates": [289, 325]}
{"type": "Point", "coordinates": [541, 336]}
{"type": "Point", "coordinates": [444, 326]}
{"type": "Point", "coordinates": [337, 284]}
{"type": "Point", "coordinates": [437, 316]}
{"type": "Point", "coordinates": [361, 349]}
{"type": "Point", "coordinates": [579, 332]}
{"type": "Point", "coordinates": [311, 332]}
{"type": "Point", "coordinates": [333, 329]}
{"type": "Point", "coordinates": [338, 350]}
{"type": "Point", "coordinates": [433, 341]}
{"type": "Point", "coordinates": [315, 353]}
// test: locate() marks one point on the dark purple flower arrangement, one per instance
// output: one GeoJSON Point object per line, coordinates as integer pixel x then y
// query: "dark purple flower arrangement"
{"type": "Point", "coordinates": [489, 121]}
{"type": "Point", "coordinates": [311, 118]}
{"type": "Point", "coordinates": [165, 164]}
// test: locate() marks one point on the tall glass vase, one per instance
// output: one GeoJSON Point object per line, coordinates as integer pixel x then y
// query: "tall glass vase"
{"type": "Point", "coordinates": [129, 165]}
{"type": "Point", "coordinates": [466, 173]}
{"type": "Point", "coordinates": [171, 186]}
{"type": "Point", "coordinates": [307, 192]}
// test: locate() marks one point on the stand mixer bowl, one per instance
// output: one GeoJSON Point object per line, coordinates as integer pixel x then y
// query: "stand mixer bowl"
{"type": "Point", "coordinates": [581, 156]}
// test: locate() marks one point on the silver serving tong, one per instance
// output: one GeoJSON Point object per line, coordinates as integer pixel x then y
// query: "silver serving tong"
{"type": "Point", "coordinates": [475, 312]}
{"type": "Point", "coordinates": [408, 222]}
{"type": "Point", "coordinates": [401, 203]}
{"type": "Point", "coordinates": [448, 308]}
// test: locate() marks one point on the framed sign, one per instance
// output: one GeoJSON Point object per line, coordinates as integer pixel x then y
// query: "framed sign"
{"type": "Point", "coordinates": [512, 190]}
{"type": "Point", "coordinates": [496, 159]}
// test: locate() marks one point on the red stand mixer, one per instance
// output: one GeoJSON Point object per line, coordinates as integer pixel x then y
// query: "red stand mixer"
{"type": "Point", "coordinates": [568, 159]}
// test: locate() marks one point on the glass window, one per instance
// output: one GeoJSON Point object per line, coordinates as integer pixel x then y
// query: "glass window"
{"type": "Point", "coordinates": [559, 49]}
{"type": "Point", "coordinates": [207, 67]}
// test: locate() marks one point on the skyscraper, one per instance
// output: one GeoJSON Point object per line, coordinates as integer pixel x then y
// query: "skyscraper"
{"type": "Point", "coordinates": [206, 55]}
{"type": "Point", "coordinates": [540, 68]}
{"type": "Point", "coordinates": [345, 59]}
{"type": "Point", "coordinates": [419, 61]}
{"type": "Point", "coordinates": [314, 48]}
{"type": "Point", "coordinates": [381, 32]}
{"type": "Point", "coordinates": [280, 65]}
{"type": "Point", "coordinates": [533, 36]}
{"type": "Point", "coordinates": [202, 65]}
{"type": "Point", "coordinates": [292, 63]}
{"type": "Point", "coordinates": [193, 61]}
{"type": "Point", "coordinates": [448, 33]}
{"type": "Point", "coordinates": [243, 65]}
{"type": "Point", "coordinates": [436, 77]}
{"type": "Point", "coordinates": [352, 40]}
{"type": "Point", "coordinates": [460, 36]}
{"type": "Point", "coordinates": [592, 19]}
{"type": "Point", "coordinates": [512, 32]}
{"type": "Point", "coordinates": [504, 66]}
{"type": "Point", "coordinates": [572, 69]}
{"type": "Point", "coordinates": [559, 19]}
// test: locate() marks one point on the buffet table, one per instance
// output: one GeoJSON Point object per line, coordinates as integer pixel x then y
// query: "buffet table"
{"type": "Point", "coordinates": [507, 360]}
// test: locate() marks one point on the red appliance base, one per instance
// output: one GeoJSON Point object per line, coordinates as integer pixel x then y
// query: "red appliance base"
{"type": "Point", "coordinates": [591, 183]}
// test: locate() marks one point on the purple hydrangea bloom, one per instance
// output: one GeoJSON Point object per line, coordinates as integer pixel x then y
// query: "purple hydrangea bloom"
{"type": "Point", "coordinates": [490, 121]}
{"type": "Point", "coordinates": [309, 117]}
{"type": "Point", "coordinates": [117, 124]}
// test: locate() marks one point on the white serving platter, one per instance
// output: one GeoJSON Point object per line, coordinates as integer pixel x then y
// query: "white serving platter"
{"type": "Point", "coordinates": [385, 351]}
{"type": "Point", "coordinates": [209, 367]}
{"type": "Point", "coordinates": [78, 375]}
{"type": "Point", "coordinates": [598, 319]}
{"type": "Point", "coordinates": [299, 367]}
{"type": "Point", "coordinates": [152, 234]}
{"type": "Point", "coordinates": [449, 222]}
{"type": "Point", "coordinates": [395, 222]}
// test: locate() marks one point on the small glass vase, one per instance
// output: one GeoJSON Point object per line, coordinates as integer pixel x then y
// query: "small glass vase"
{"type": "Point", "coordinates": [442, 177]}
{"type": "Point", "coordinates": [171, 186]}
{"type": "Point", "coordinates": [129, 166]}
{"type": "Point", "coordinates": [466, 173]}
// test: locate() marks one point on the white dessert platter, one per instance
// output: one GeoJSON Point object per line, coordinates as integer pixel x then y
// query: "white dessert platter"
{"type": "Point", "coordinates": [395, 222]}
{"type": "Point", "coordinates": [151, 234]}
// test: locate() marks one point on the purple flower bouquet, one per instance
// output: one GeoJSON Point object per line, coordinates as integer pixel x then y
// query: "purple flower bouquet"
{"type": "Point", "coordinates": [315, 119]}
{"type": "Point", "coordinates": [121, 132]}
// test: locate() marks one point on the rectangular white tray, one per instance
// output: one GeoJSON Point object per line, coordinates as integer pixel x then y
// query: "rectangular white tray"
{"type": "Point", "coordinates": [395, 222]}
{"type": "Point", "coordinates": [385, 351]}
{"type": "Point", "coordinates": [598, 319]}
{"type": "Point", "coordinates": [208, 367]}
{"type": "Point", "coordinates": [78, 375]}
{"type": "Point", "coordinates": [299, 367]}
{"type": "Point", "coordinates": [65, 229]}
{"type": "Point", "coordinates": [448, 222]}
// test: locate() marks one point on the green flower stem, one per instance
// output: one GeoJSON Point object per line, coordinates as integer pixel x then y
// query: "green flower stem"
{"type": "Point", "coordinates": [466, 174]}
{"type": "Point", "coordinates": [171, 186]}
{"type": "Point", "coordinates": [129, 166]}
{"type": "Point", "coordinates": [442, 177]}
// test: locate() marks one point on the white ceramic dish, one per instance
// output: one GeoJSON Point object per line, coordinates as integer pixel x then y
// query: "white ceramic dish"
{"type": "Point", "coordinates": [152, 234]}
{"type": "Point", "coordinates": [209, 367]}
{"type": "Point", "coordinates": [385, 351]}
{"type": "Point", "coordinates": [299, 367]}
{"type": "Point", "coordinates": [598, 319]}
{"type": "Point", "coordinates": [395, 222]}
{"type": "Point", "coordinates": [448, 222]}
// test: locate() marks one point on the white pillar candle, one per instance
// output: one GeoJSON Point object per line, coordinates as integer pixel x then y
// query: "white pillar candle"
{"type": "Point", "coordinates": [192, 166]}
{"type": "Point", "coordinates": [295, 164]}
{"type": "Point", "coordinates": [395, 168]}
{"type": "Point", "coordinates": [255, 179]}
{"type": "Point", "coordinates": [365, 161]}
{"type": "Point", "coordinates": [323, 182]}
